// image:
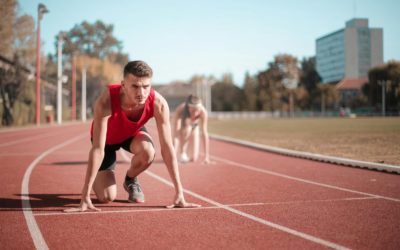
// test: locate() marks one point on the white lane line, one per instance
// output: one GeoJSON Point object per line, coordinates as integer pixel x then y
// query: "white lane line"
{"type": "Point", "coordinates": [246, 215]}
{"type": "Point", "coordinates": [36, 153]}
{"type": "Point", "coordinates": [136, 209]}
{"type": "Point", "coordinates": [254, 218]}
{"type": "Point", "coordinates": [27, 139]}
{"type": "Point", "coordinates": [34, 230]}
{"type": "Point", "coordinates": [248, 167]}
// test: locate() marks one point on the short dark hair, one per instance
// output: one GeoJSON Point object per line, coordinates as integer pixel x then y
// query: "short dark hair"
{"type": "Point", "coordinates": [138, 68]}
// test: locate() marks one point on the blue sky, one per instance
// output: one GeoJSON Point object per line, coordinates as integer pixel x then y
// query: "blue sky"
{"type": "Point", "coordinates": [180, 38]}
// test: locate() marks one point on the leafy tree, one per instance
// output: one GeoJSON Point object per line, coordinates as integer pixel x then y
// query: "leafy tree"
{"type": "Point", "coordinates": [281, 72]}
{"type": "Point", "coordinates": [309, 80]}
{"type": "Point", "coordinates": [10, 86]}
{"type": "Point", "coordinates": [17, 49]}
{"type": "Point", "coordinates": [328, 96]}
{"type": "Point", "coordinates": [94, 47]}
{"type": "Point", "coordinates": [390, 73]}
{"type": "Point", "coordinates": [94, 40]}
{"type": "Point", "coordinates": [7, 19]}
{"type": "Point", "coordinates": [24, 39]}
{"type": "Point", "coordinates": [226, 96]}
{"type": "Point", "coordinates": [250, 90]}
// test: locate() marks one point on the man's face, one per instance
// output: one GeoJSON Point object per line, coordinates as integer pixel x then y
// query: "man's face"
{"type": "Point", "coordinates": [137, 89]}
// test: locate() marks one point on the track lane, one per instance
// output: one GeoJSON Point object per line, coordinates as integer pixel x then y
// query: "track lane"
{"type": "Point", "coordinates": [14, 161]}
{"type": "Point", "coordinates": [197, 225]}
{"type": "Point", "coordinates": [57, 180]}
{"type": "Point", "coordinates": [362, 180]}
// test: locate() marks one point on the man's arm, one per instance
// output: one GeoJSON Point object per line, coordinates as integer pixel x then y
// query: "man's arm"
{"type": "Point", "coordinates": [96, 153]}
{"type": "Point", "coordinates": [161, 115]}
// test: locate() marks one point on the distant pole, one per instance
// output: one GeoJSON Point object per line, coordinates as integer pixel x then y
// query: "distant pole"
{"type": "Point", "coordinates": [204, 92]}
{"type": "Point", "coordinates": [38, 73]}
{"type": "Point", "coordinates": [83, 108]}
{"type": "Point", "coordinates": [291, 103]}
{"type": "Point", "coordinates": [73, 96]}
{"type": "Point", "coordinates": [59, 79]}
{"type": "Point", "coordinates": [383, 83]}
{"type": "Point", "coordinates": [209, 96]}
{"type": "Point", "coordinates": [41, 10]}
{"type": "Point", "coordinates": [198, 90]}
{"type": "Point", "coordinates": [323, 103]}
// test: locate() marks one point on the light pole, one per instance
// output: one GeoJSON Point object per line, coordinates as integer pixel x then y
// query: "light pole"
{"type": "Point", "coordinates": [73, 96]}
{"type": "Point", "coordinates": [59, 78]}
{"type": "Point", "coordinates": [83, 108]}
{"type": "Point", "coordinates": [41, 11]}
{"type": "Point", "coordinates": [383, 83]}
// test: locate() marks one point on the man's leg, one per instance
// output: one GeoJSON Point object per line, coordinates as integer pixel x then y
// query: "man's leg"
{"type": "Point", "coordinates": [104, 185]}
{"type": "Point", "coordinates": [143, 155]}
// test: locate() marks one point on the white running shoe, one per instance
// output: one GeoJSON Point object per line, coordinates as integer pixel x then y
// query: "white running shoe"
{"type": "Point", "coordinates": [184, 158]}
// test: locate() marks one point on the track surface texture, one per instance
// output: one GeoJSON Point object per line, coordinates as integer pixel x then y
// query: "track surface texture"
{"type": "Point", "coordinates": [250, 200]}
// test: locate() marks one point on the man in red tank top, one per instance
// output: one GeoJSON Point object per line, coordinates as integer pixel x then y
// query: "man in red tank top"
{"type": "Point", "coordinates": [120, 114]}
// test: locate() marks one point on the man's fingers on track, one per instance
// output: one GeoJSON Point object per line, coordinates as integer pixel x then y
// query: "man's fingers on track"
{"type": "Point", "coordinates": [73, 210]}
{"type": "Point", "coordinates": [95, 208]}
{"type": "Point", "coordinates": [78, 210]}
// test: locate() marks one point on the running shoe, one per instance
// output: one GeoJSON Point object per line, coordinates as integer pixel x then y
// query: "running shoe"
{"type": "Point", "coordinates": [184, 158]}
{"type": "Point", "coordinates": [135, 193]}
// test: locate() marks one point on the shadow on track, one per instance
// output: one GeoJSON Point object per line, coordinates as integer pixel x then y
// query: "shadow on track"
{"type": "Point", "coordinates": [57, 202]}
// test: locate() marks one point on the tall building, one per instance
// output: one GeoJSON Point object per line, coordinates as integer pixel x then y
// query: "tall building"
{"type": "Point", "coordinates": [349, 52]}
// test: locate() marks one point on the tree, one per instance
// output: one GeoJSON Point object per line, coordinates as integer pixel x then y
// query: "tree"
{"type": "Point", "coordinates": [10, 86]}
{"type": "Point", "coordinates": [24, 39]}
{"type": "Point", "coordinates": [309, 80]}
{"type": "Point", "coordinates": [390, 74]}
{"type": "Point", "coordinates": [17, 49]}
{"type": "Point", "coordinates": [7, 19]}
{"type": "Point", "coordinates": [94, 40]}
{"type": "Point", "coordinates": [94, 47]}
{"type": "Point", "coordinates": [276, 81]}
{"type": "Point", "coordinates": [226, 96]}
{"type": "Point", "coordinates": [328, 97]}
{"type": "Point", "coordinates": [250, 90]}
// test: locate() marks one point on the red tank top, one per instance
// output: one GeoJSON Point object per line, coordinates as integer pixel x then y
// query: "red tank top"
{"type": "Point", "coordinates": [119, 127]}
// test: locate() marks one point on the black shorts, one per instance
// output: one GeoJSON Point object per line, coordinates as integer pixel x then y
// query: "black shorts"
{"type": "Point", "coordinates": [110, 154]}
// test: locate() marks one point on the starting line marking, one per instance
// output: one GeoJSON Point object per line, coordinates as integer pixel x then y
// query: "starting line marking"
{"type": "Point", "coordinates": [145, 210]}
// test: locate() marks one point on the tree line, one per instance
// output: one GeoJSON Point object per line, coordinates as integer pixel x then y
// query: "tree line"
{"type": "Point", "coordinates": [270, 89]}
{"type": "Point", "coordinates": [285, 85]}
{"type": "Point", "coordinates": [86, 45]}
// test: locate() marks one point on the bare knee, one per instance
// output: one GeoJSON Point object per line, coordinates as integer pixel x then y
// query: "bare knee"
{"type": "Point", "coordinates": [147, 156]}
{"type": "Point", "coordinates": [107, 198]}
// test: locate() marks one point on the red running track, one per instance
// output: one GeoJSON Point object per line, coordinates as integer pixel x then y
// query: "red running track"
{"type": "Point", "coordinates": [251, 200]}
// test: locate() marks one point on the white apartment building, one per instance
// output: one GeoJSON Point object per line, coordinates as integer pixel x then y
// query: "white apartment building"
{"type": "Point", "coordinates": [349, 52]}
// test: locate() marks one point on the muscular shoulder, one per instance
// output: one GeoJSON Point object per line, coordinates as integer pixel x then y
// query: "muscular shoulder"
{"type": "Point", "coordinates": [160, 104]}
{"type": "Point", "coordinates": [103, 104]}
